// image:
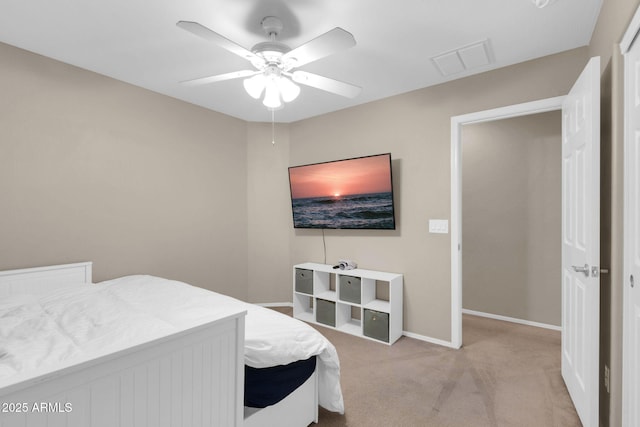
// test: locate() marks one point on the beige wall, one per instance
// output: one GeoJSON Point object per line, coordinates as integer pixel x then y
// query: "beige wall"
{"type": "Point", "coordinates": [613, 20]}
{"type": "Point", "coordinates": [95, 169]}
{"type": "Point", "coordinates": [511, 225]}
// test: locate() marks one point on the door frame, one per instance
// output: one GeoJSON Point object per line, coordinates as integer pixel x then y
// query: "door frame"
{"type": "Point", "coordinates": [457, 122]}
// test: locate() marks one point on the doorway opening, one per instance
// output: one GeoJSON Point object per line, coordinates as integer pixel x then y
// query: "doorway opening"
{"type": "Point", "coordinates": [511, 219]}
{"type": "Point", "coordinates": [457, 122]}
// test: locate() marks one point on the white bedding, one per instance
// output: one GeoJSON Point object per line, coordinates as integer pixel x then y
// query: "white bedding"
{"type": "Point", "coordinates": [80, 322]}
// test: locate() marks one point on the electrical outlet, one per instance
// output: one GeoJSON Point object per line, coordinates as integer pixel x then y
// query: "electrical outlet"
{"type": "Point", "coordinates": [606, 377]}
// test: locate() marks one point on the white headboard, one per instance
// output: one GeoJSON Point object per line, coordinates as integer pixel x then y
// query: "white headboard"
{"type": "Point", "coordinates": [39, 279]}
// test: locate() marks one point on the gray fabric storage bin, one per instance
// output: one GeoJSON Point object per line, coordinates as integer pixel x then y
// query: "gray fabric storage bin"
{"type": "Point", "coordinates": [326, 312]}
{"type": "Point", "coordinates": [350, 289]}
{"type": "Point", "coordinates": [376, 325]}
{"type": "Point", "coordinates": [304, 281]}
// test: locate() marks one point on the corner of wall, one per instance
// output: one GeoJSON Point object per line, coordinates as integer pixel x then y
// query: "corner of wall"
{"type": "Point", "coordinates": [269, 216]}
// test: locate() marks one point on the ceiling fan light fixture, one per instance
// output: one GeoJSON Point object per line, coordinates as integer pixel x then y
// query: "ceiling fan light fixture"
{"type": "Point", "coordinates": [254, 85]}
{"type": "Point", "coordinates": [288, 89]}
{"type": "Point", "coordinates": [276, 87]}
{"type": "Point", "coordinates": [272, 95]}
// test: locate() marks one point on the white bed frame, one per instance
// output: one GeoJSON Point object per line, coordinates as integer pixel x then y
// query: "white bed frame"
{"type": "Point", "coordinates": [40, 279]}
{"type": "Point", "coordinates": [191, 378]}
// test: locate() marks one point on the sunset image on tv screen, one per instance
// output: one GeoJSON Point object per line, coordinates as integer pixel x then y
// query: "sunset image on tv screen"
{"type": "Point", "coordinates": [352, 193]}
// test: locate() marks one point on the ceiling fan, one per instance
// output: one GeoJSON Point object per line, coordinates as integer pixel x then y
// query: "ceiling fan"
{"type": "Point", "coordinates": [275, 63]}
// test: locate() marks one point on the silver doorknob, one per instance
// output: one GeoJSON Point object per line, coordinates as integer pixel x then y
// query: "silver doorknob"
{"type": "Point", "coordinates": [584, 269]}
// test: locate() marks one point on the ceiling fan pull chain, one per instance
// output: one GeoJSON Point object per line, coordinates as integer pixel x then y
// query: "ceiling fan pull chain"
{"type": "Point", "coordinates": [273, 127]}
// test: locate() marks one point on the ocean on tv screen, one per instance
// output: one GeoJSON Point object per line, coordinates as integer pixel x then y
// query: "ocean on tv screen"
{"type": "Point", "coordinates": [365, 211]}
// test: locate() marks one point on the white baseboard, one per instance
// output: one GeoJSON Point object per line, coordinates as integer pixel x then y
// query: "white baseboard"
{"type": "Point", "coordinates": [439, 341]}
{"type": "Point", "coordinates": [429, 339]}
{"type": "Point", "coordinates": [511, 319]}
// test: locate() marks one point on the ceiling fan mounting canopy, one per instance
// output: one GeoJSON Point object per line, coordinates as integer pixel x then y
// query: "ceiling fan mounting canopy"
{"type": "Point", "coordinates": [271, 26]}
{"type": "Point", "coordinates": [275, 61]}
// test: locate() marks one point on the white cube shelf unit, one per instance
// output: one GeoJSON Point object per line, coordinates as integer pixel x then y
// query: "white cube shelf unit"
{"type": "Point", "coordinates": [352, 301]}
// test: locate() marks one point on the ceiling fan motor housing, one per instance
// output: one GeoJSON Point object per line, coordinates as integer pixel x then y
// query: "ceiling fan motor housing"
{"type": "Point", "coordinates": [271, 51]}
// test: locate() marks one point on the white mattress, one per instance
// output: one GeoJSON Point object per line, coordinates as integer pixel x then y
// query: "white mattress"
{"type": "Point", "coordinates": [80, 322]}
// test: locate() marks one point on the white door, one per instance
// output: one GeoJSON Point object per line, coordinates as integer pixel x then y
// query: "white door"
{"type": "Point", "coordinates": [631, 293]}
{"type": "Point", "coordinates": [581, 242]}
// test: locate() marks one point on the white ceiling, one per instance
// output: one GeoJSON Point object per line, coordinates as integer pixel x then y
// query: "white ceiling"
{"type": "Point", "coordinates": [137, 41]}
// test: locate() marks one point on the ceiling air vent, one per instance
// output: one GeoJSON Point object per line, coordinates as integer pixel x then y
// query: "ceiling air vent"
{"type": "Point", "coordinates": [464, 58]}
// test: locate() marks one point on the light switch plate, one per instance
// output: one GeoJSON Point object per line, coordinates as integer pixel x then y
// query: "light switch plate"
{"type": "Point", "coordinates": [439, 226]}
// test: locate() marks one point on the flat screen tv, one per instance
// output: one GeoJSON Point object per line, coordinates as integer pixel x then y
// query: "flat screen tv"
{"type": "Point", "coordinates": [347, 194]}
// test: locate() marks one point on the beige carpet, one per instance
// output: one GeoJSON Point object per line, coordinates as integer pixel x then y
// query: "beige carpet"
{"type": "Point", "coordinates": [505, 375]}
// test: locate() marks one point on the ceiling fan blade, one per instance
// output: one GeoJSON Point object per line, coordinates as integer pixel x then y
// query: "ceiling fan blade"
{"type": "Point", "coordinates": [325, 83]}
{"type": "Point", "coordinates": [207, 34]}
{"type": "Point", "coordinates": [220, 77]}
{"type": "Point", "coordinates": [324, 45]}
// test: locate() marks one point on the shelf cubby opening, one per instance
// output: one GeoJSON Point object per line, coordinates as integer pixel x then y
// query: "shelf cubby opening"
{"type": "Point", "coordinates": [326, 288]}
{"type": "Point", "coordinates": [368, 290]}
{"type": "Point", "coordinates": [348, 318]}
{"type": "Point", "coordinates": [321, 282]}
{"type": "Point", "coordinates": [303, 307]}
{"type": "Point", "coordinates": [356, 313]}
{"type": "Point", "coordinates": [382, 290]}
